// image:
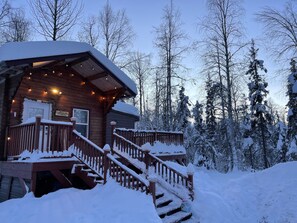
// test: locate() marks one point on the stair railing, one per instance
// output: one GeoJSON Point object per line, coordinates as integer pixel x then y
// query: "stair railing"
{"type": "Point", "coordinates": [104, 164]}
{"type": "Point", "coordinates": [178, 181]}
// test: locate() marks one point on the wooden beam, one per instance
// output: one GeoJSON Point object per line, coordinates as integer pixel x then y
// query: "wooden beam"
{"type": "Point", "coordinates": [61, 178]}
{"type": "Point", "coordinates": [77, 61]}
{"type": "Point", "coordinates": [97, 76]}
{"type": "Point", "coordinates": [116, 94]}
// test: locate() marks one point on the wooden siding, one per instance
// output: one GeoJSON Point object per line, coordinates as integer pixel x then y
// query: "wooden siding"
{"type": "Point", "coordinates": [123, 120]}
{"type": "Point", "coordinates": [7, 91]}
{"type": "Point", "coordinates": [75, 94]}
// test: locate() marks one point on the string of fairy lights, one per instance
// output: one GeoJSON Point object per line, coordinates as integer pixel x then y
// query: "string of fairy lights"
{"type": "Point", "coordinates": [59, 92]}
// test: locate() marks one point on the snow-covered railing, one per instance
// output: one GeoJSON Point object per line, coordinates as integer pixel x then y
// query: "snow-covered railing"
{"type": "Point", "coordinates": [155, 166]}
{"type": "Point", "coordinates": [104, 164]}
{"type": "Point", "coordinates": [38, 135]}
{"type": "Point", "coordinates": [150, 136]}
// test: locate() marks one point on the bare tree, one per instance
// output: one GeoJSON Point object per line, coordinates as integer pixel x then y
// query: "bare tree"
{"type": "Point", "coordinates": [281, 28]}
{"type": "Point", "coordinates": [140, 69]}
{"type": "Point", "coordinates": [17, 28]}
{"type": "Point", "coordinates": [89, 32]}
{"type": "Point", "coordinates": [4, 11]}
{"type": "Point", "coordinates": [223, 28]}
{"type": "Point", "coordinates": [55, 18]}
{"type": "Point", "coordinates": [169, 40]}
{"type": "Point", "coordinates": [116, 33]}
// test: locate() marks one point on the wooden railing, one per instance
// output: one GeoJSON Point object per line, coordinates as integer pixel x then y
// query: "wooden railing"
{"type": "Point", "coordinates": [141, 137]}
{"type": "Point", "coordinates": [104, 164]}
{"type": "Point", "coordinates": [47, 136]}
{"type": "Point", "coordinates": [156, 166]}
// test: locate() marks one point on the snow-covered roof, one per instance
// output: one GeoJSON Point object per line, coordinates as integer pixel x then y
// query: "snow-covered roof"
{"type": "Point", "coordinates": [126, 108]}
{"type": "Point", "coordinates": [38, 49]}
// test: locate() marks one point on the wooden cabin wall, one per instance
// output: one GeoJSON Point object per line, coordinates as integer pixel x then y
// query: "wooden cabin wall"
{"type": "Point", "coordinates": [123, 120]}
{"type": "Point", "coordinates": [8, 88]}
{"type": "Point", "coordinates": [75, 94]}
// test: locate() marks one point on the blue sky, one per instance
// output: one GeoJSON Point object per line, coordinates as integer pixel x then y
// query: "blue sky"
{"type": "Point", "coordinates": [144, 15]}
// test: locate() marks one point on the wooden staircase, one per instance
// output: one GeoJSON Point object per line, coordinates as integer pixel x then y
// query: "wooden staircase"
{"type": "Point", "coordinates": [168, 188]}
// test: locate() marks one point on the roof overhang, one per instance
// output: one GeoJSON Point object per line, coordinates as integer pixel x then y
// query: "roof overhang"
{"type": "Point", "coordinates": [78, 58]}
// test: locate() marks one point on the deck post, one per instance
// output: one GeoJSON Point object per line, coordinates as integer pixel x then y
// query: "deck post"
{"type": "Point", "coordinates": [152, 188]}
{"type": "Point", "coordinates": [7, 139]}
{"type": "Point", "coordinates": [155, 135]}
{"type": "Point", "coordinates": [146, 152]}
{"type": "Point", "coordinates": [191, 185]}
{"type": "Point", "coordinates": [113, 125]}
{"type": "Point", "coordinates": [105, 162]}
{"type": "Point", "coordinates": [37, 132]}
{"type": "Point", "coordinates": [73, 120]}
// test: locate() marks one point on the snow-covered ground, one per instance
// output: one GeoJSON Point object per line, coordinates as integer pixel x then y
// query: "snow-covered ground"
{"type": "Point", "coordinates": [110, 203]}
{"type": "Point", "coordinates": [268, 196]}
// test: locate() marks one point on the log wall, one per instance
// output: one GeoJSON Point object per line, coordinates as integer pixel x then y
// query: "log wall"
{"type": "Point", "coordinates": [38, 85]}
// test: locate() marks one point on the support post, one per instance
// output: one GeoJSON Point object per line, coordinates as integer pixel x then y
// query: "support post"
{"type": "Point", "coordinates": [191, 185]}
{"type": "Point", "coordinates": [105, 162]}
{"type": "Point", "coordinates": [155, 135]}
{"type": "Point", "coordinates": [152, 188]}
{"type": "Point", "coordinates": [113, 125]}
{"type": "Point", "coordinates": [7, 139]}
{"type": "Point", "coordinates": [73, 120]}
{"type": "Point", "coordinates": [37, 132]}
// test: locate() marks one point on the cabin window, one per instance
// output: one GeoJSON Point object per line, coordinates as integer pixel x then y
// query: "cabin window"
{"type": "Point", "coordinates": [82, 121]}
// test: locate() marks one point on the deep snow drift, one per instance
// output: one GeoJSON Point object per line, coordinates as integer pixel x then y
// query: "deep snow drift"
{"type": "Point", "coordinates": [265, 196]}
{"type": "Point", "coordinates": [268, 196]}
{"type": "Point", "coordinates": [110, 203]}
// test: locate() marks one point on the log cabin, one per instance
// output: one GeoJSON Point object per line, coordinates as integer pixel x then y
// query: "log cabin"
{"type": "Point", "coordinates": [55, 103]}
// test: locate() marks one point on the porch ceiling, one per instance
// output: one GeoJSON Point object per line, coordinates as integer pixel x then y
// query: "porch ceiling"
{"type": "Point", "coordinates": [77, 58]}
{"type": "Point", "coordinates": [82, 64]}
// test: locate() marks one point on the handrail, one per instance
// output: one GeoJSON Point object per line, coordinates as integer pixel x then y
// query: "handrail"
{"type": "Point", "coordinates": [104, 164]}
{"type": "Point", "coordinates": [141, 137]}
{"type": "Point", "coordinates": [41, 135]}
{"type": "Point", "coordinates": [155, 165]}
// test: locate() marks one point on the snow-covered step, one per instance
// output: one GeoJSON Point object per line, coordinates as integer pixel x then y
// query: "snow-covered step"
{"type": "Point", "coordinates": [163, 201]}
{"type": "Point", "coordinates": [99, 181]}
{"type": "Point", "coordinates": [177, 217]}
{"type": "Point", "coordinates": [170, 209]}
{"type": "Point", "coordinates": [87, 170]}
{"type": "Point", "coordinates": [92, 175]}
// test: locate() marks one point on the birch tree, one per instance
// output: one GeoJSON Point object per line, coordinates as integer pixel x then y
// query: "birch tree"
{"type": "Point", "coordinates": [223, 34]}
{"type": "Point", "coordinates": [281, 28]}
{"type": "Point", "coordinates": [4, 11]}
{"type": "Point", "coordinates": [170, 43]}
{"type": "Point", "coordinates": [116, 34]}
{"type": "Point", "coordinates": [89, 31]}
{"type": "Point", "coordinates": [55, 18]}
{"type": "Point", "coordinates": [18, 27]}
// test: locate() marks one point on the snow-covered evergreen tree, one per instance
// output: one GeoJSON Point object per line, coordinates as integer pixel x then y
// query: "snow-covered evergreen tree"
{"type": "Point", "coordinates": [260, 116]}
{"type": "Point", "coordinates": [183, 113]}
{"type": "Point", "coordinates": [292, 113]}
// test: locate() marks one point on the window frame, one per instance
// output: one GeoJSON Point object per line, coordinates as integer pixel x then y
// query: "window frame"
{"type": "Point", "coordinates": [84, 124]}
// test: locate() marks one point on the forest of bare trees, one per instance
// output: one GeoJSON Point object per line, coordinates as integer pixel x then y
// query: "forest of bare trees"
{"type": "Point", "coordinates": [234, 125]}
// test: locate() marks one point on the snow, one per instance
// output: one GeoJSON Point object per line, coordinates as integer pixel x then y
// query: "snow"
{"type": "Point", "coordinates": [126, 108]}
{"type": "Point", "coordinates": [265, 196]}
{"type": "Point", "coordinates": [36, 49]}
{"type": "Point", "coordinates": [45, 121]}
{"type": "Point", "coordinates": [104, 204]}
{"type": "Point", "coordinates": [294, 88]}
{"type": "Point", "coordinates": [164, 149]}
{"type": "Point", "coordinates": [38, 156]}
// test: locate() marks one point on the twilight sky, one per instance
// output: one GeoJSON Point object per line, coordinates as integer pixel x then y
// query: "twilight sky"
{"type": "Point", "coordinates": [146, 14]}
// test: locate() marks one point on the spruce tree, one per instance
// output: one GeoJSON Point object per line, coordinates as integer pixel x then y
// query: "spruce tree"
{"type": "Point", "coordinates": [292, 113]}
{"type": "Point", "coordinates": [182, 113]}
{"type": "Point", "coordinates": [260, 116]}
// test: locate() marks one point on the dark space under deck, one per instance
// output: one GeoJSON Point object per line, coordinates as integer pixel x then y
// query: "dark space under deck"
{"type": "Point", "coordinates": [39, 177]}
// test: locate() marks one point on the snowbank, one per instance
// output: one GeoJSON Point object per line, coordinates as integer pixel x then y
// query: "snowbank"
{"type": "Point", "coordinates": [104, 204]}
{"type": "Point", "coordinates": [266, 196]}
{"type": "Point", "coordinates": [164, 149]}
